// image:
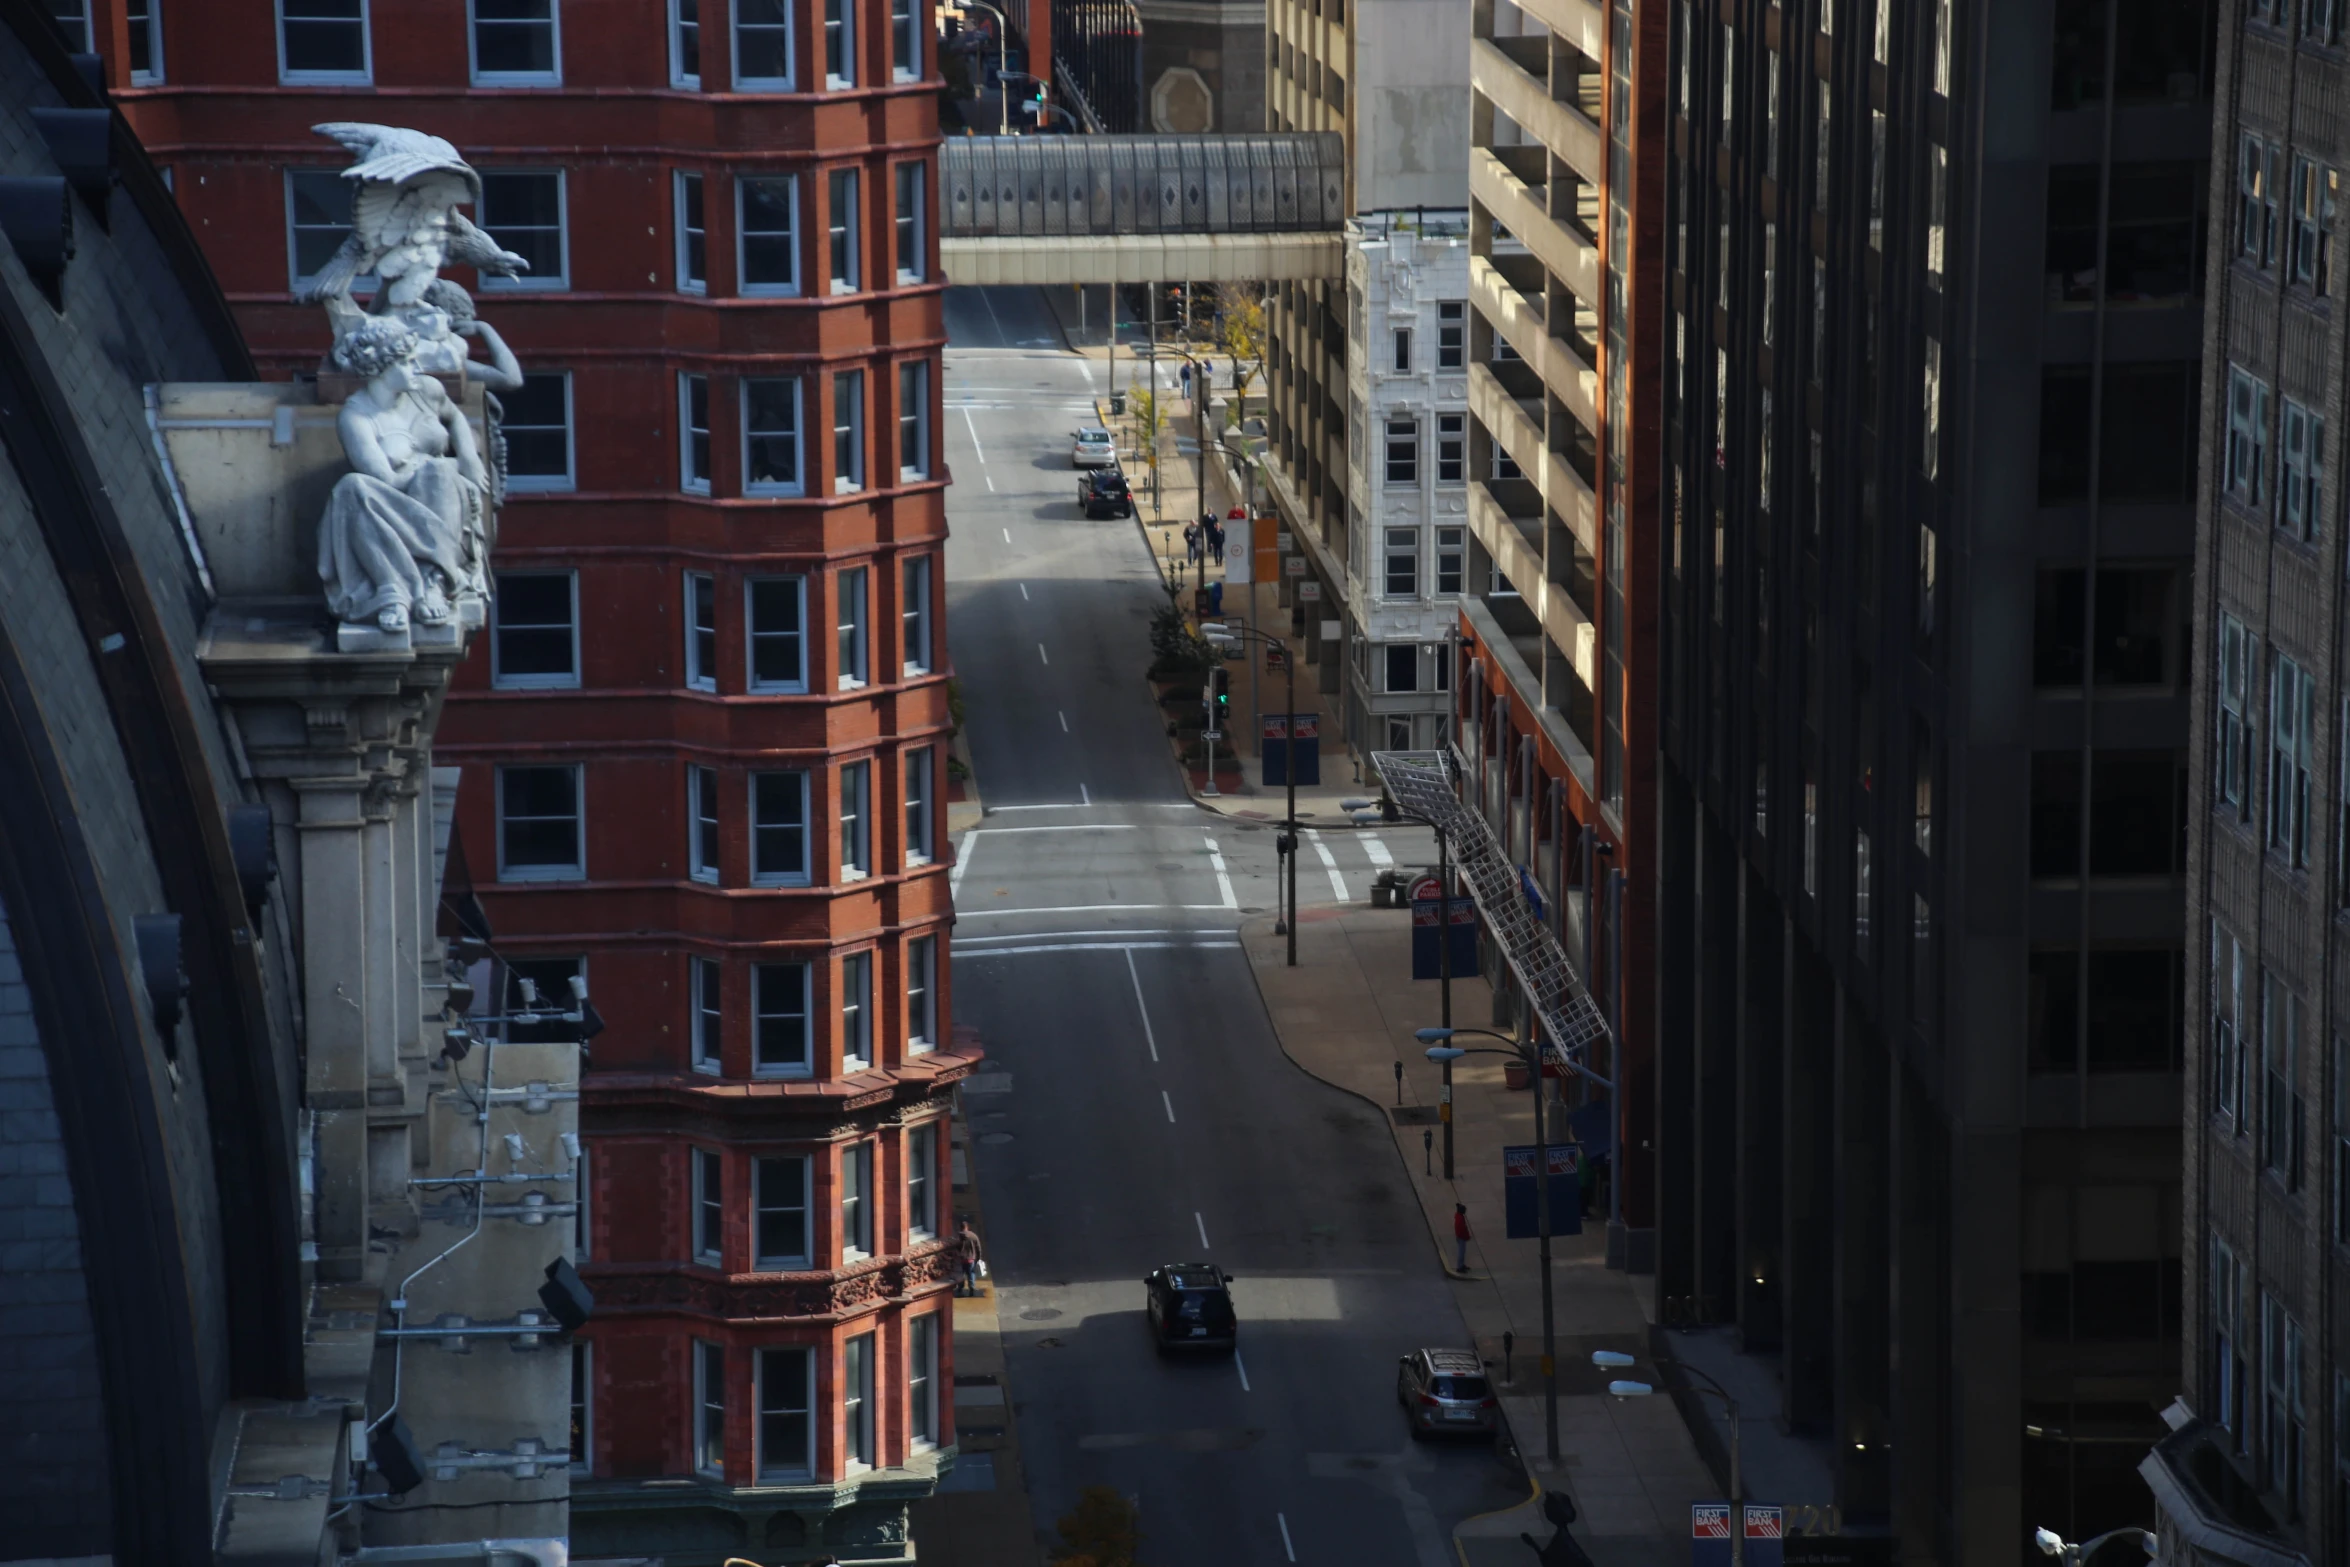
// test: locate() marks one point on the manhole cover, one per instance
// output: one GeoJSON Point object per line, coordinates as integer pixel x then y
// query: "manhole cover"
{"type": "Point", "coordinates": [1416, 1115]}
{"type": "Point", "coordinates": [1039, 1314]}
{"type": "Point", "coordinates": [995, 1137]}
{"type": "Point", "coordinates": [1048, 1343]}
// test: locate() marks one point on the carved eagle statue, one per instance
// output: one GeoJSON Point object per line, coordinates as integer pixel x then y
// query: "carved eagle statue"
{"type": "Point", "coordinates": [405, 225]}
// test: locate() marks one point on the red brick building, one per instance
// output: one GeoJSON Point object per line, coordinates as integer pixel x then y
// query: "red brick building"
{"type": "Point", "coordinates": [705, 752]}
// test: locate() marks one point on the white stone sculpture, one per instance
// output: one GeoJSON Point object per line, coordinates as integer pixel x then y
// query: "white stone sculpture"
{"type": "Point", "coordinates": [403, 546]}
{"type": "Point", "coordinates": [443, 321]}
{"type": "Point", "coordinates": [405, 225]}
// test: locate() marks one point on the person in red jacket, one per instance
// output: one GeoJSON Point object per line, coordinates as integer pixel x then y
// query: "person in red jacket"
{"type": "Point", "coordinates": [1461, 1235]}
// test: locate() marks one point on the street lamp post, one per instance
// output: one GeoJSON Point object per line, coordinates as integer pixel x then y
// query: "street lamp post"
{"type": "Point", "coordinates": [1003, 34]}
{"type": "Point", "coordinates": [1391, 812]}
{"type": "Point", "coordinates": [1524, 1050]}
{"type": "Point", "coordinates": [1609, 1359]}
{"type": "Point", "coordinates": [1288, 840]}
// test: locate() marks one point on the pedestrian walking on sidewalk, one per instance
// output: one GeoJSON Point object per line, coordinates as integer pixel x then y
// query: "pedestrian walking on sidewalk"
{"type": "Point", "coordinates": [967, 1258]}
{"type": "Point", "coordinates": [1191, 542]}
{"type": "Point", "coordinates": [1216, 540]}
{"type": "Point", "coordinates": [1187, 379]}
{"type": "Point", "coordinates": [1461, 1236]}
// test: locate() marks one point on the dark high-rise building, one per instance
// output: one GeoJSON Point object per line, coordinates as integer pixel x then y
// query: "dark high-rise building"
{"type": "Point", "coordinates": [1937, 282]}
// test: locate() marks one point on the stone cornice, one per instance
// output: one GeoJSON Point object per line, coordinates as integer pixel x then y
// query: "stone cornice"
{"type": "Point", "coordinates": [671, 1289]}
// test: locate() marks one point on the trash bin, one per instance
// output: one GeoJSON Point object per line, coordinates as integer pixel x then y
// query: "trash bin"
{"type": "Point", "coordinates": [1117, 405]}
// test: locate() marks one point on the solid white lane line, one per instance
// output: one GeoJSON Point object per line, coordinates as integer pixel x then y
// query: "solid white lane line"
{"type": "Point", "coordinates": [1056, 827]}
{"type": "Point", "coordinates": [1073, 935]}
{"type": "Point", "coordinates": [1203, 1230]}
{"type": "Point", "coordinates": [1170, 1104]}
{"type": "Point", "coordinates": [977, 450]}
{"type": "Point", "coordinates": [1223, 877]}
{"type": "Point", "coordinates": [991, 810]}
{"type": "Point", "coordinates": [1023, 590]}
{"type": "Point", "coordinates": [1096, 908]}
{"type": "Point", "coordinates": [1240, 1366]}
{"type": "Point", "coordinates": [990, 478]}
{"type": "Point", "coordinates": [1041, 654]}
{"type": "Point", "coordinates": [1104, 946]}
{"type": "Point", "coordinates": [963, 853]}
{"type": "Point", "coordinates": [1148, 1037]}
{"type": "Point", "coordinates": [1064, 718]}
{"type": "Point", "coordinates": [1287, 1549]}
{"type": "Point", "coordinates": [1329, 863]}
{"type": "Point", "coordinates": [1377, 851]}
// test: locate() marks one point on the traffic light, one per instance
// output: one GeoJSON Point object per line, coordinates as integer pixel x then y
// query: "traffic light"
{"type": "Point", "coordinates": [1220, 684]}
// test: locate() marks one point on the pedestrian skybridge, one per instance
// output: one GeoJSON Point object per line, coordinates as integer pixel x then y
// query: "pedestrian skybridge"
{"type": "Point", "coordinates": [1141, 209]}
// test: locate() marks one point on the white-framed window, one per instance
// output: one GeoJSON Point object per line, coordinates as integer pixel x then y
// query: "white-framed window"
{"type": "Point", "coordinates": [922, 1381]}
{"type": "Point", "coordinates": [914, 614]}
{"type": "Point", "coordinates": [1400, 563]}
{"type": "Point", "coordinates": [2227, 1025]}
{"type": "Point", "coordinates": [779, 829]}
{"type": "Point", "coordinates": [2316, 189]}
{"type": "Point", "coordinates": [2228, 1342]}
{"type": "Point", "coordinates": [856, 819]}
{"type": "Point", "coordinates": [1452, 558]}
{"type": "Point", "coordinates": [905, 40]}
{"type": "Point", "coordinates": [582, 1444]}
{"type": "Point", "coordinates": [840, 43]}
{"type": "Point", "coordinates": [787, 1413]}
{"type": "Point", "coordinates": [2281, 1109]}
{"type": "Point", "coordinates": [1403, 449]}
{"type": "Point", "coordinates": [709, 1408]}
{"type": "Point", "coordinates": [913, 246]}
{"type": "Point", "coordinates": [685, 44]}
{"type": "Point", "coordinates": [1452, 334]}
{"type": "Point", "coordinates": [693, 426]}
{"type": "Point", "coordinates": [709, 1207]}
{"type": "Point", "coordinates": [709, 997]}
{"type": "Point", "coordinates": [523, 210]}
{"type": "Point", "coordinates": [1500, 464]}
{"type": "Point", "coordinates": [2245, 474]}
{"type": "Point", "coordinates": [914, 419]}
{"type": "Point", "coordinates": [848, 431]}
{"type": "Point", "coordinates": [693, 234]}
{"type": "Point", "coordinates": [765, 51]}
{"type": "Point", "coordinates": [583, 1192]}
{"type": "Point", "coordinates": [856, 1202]}
{"type": "Point", "coordinates": [921, 842]}
{"type": "Point", "coordinates": [2301, 483]}
{"type": "Point", "coordinates": [534, 420]}
{"type": "Point", "coordinates": [850, 626]}
{"type": "Point", "coordinates": [921, 996]}
{"type": "Point", "coordinates": [534, 631]}
{"type": "Point", "coordinates": [771, 435]}
{"type": "Point", "coordinates": [1403, 667]}
{"type": "Point", "coordinates": [1401, 363]}
{"type": "Point", "coordinates": [701, 805]}
{"type": "Point", "coordinates": [701, 631]}
{"type": "Point", "coordinates": [73, 20]}
{"type": "Point", "coordinates": [856, 1402]}
{"type": "Point", "coordinates": [1452, 448]}
{"type": "Point", "coordinates": [2284, 1415]}
{"type": "Point", "coordinates": [146, 29]}
{"type": "Point", "coordinates": [1440, 661]}
{"type": "Point", "coordinates": [767, 234]}
{"type": "Point", "coordinates": [323, 41]}
{"type": "Point", "coordinates": [539, 824]}
{"type": "Point", "coordinates": [2232, 768]}
{"type": "Point", "coordinates": [779, 1213]}
{"type": "Point", "coordinates": [517, 43]}
{"type": "Point", "coordinates": [2292, 719]}
{"type": "Point", "coordinates": [318, 220]}
{"type": "Point", "coordinates": [842, 220]}
{"type": "Point", "coordinates": [856, 1017]}
{"type": "Point", "coordinates": [779, 1018]}
{"type": "Point", "coordinates": [775, 613]}
{"type": "Point", "coordinates": [2256, 200]}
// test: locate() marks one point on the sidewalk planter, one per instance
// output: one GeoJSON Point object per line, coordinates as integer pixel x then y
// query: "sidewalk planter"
{"type": "Point", "coordinates": [1515, 1076]}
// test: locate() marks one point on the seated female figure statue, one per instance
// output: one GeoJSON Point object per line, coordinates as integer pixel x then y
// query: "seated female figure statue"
{"type": "Point", "coordinates": [393, 544]}
{"type": "Point", "coordinates": [443, 321]}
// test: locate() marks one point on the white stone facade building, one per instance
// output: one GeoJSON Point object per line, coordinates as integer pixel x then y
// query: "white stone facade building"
{"type": "Point", "coordinates": [1407, 554]}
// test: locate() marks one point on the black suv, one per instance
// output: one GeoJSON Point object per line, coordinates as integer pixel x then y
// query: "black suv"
{"type": "Point", "coordinates": [1101, 492]}
{"type": "Point", "coordinates": [1190, 1307]}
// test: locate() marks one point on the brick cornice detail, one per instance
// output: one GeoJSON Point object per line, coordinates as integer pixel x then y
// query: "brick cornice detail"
{"type": "Point", "coordinates": [655, 1289]}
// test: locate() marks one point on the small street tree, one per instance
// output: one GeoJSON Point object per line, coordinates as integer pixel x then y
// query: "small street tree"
{"type": "Point", "coordinates": [1104, 1529]}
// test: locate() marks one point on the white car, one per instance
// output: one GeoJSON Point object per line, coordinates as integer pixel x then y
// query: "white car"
{"type": "Point", "coordinates": [1092, 447]}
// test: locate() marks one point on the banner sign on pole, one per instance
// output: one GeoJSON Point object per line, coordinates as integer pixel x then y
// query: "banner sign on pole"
{"type": "Point", "coordinates": [1709, 1534]}
{"type": "Point", "coordinates": [1765, 1536]}
{"type": "Point", "coordinates": [1285, 733]}
{"type": "Point", "coordinates": [1522, 1219]}
{"type": "Point", "coordinates": [1426, 962]}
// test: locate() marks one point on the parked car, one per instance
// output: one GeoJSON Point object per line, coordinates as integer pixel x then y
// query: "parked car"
{"type": "Point", "coordinates": [1103, 493]}
{"type": "Point", "coordinates": [1444, 1393]}
{"type": "Point", "coordinates": [1190, 1307]}
{"type": "Point", "coordinates": [1092, 447]}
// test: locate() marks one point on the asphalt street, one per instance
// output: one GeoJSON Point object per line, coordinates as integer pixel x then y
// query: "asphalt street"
{"type": "Point", "coordinates": [1137, 1109]}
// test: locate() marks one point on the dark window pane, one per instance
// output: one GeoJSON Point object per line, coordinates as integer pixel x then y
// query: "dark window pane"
{"type": "Point", "coordinates": [2148, 453]}
{"type": "Point", "coordinates": [2056, 813]}
{"type": "Point", "coordinates": [325, 35]}
{"type": "Point", "coordinates": [2078, 76]}
{"type": "Point", "coordinates": [534, 625]}
{"type": "Point", "coordinates": [2133, 624]}
{"type": "Point", "coordinates": [2161, 50]}
{"type": "Point", "coordinates": [2137, 805]}
{"type": "Point", "coordinates": [2153, 214]}
{"type": "Point", "coordinates": [2133, 1011]}
{"type": "Point", "coordinates": [2058, 628]}
{"type": "Point", "coordinates": [2064, 434]}
{"type": "Point", "coordinates": [524, 213]}
{"type": "Point", "coordinates": [2052, 1008]}
{"type": "Point", "coordinates": [514, 36]}
{"type": "Point", "coordinates": [2072, 234]}
{"type": "Point", "coordinates": [2114, 1301]}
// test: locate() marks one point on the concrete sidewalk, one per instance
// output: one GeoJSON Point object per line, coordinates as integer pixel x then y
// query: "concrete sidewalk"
{"type": "Point", "coordinates": [1346, 1014]}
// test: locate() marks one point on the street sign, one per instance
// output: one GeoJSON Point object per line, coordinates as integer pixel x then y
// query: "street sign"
{"type": "Point", "coordinates": [1765, 1536]}
{"type": "Point", "coordinates": [1521, 1220]}
{"type": "Point", "coordinates": [1293, 565]}
{"type": "Point", "coordinates": [1424, 887]}
{"type": "Point", "coordinates": [1309, 590]}
{"type": "Point", "coordinates": [1709, 1534]}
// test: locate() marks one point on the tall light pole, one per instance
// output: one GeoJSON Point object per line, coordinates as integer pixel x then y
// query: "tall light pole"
{"type": "Point", "coordinates": [1003, 34]}
{"type": "Point", "coordinates": [1523, 1048]}
{"type": "Point", "coordinates": [1287, 842]}
{"type": "Point", "coordinates": [1609, 1359]}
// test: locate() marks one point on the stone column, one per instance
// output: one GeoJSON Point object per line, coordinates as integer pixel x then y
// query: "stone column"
{"type": "Point", "coordinates": [334, 995]}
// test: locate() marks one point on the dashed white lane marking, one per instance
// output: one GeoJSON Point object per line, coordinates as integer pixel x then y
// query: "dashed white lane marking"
{"type": "Point", "coordinates": [1007, 535]}
{"type": "Point", "coordinates": [1377, 851]}
{"type": "Point", "coordinates": [1084, 794]}
{"type": "Point", "coordinates": [1329, 863]}
{"type": "Point", "coordinates": [990, 478]}
{"type": "Point", "coordinates": [1240, 1366]}
{"type": "Point", "coordinates": [1203, 1230]}
{"type": "Point", "coordinates": [1023, 590]}
{"type": "Point", "coordinates": [1287, 1549]}
{"type": "Point", "coordinates": [1148, 1037]}
{"type": "Point", "coordinates": [1064, 718]}
{"type": "Point", "coordinates": [1170, 1104]}
{"type": "Point", "coordinates": [1041, 654]}
{"type": "Point", "coordinates": [977, 450]}
{"type": "Point", "coordinates": [1223, 877]}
